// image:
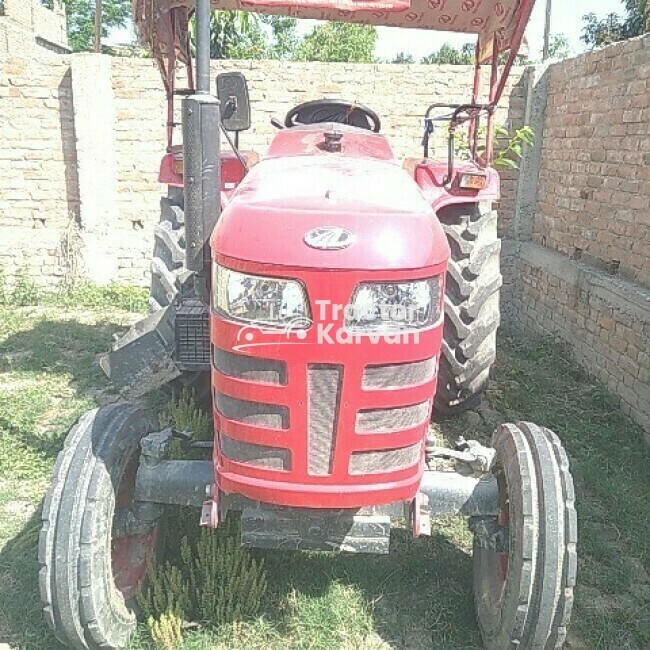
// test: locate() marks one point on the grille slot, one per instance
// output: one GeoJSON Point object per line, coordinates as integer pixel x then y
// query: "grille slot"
{"type": "Point", "coordinates": [271, 416]}
{"type": "Point", "coordinates": [390, 420]}
{"type": "Point", "coordinates": [399, 375]}
{"type": "Point", "coordinates": [392, 460]}
{"type": "Point", "coordinates": [250, 368]}
{"type": "Point", "coordinates": [324, 387]}
{"type": "Point", "coordinates": [257, 455]}
{"type": "Point", "coordinates": [192, 331]}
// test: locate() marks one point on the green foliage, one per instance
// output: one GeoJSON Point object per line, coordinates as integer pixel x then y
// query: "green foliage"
{"type": "Point", "coordinates": [166, 631]}
{"type": "Point", "coordinates": [111, 296]}
{"type": "Point", "coordinates": [81, 20]}
{"type": "Point", "coordinates": [508, 148]}
{"type": "Point", "coordinates": [449, 55]}
{"type": "Point", "coordinates": [234, 35]}
{"type": "Point", "coordinates": [403, 58]}
{"type": "Point", "coordinates": [226, 583]}
{"type": "Point", "coordinates": [284, 38]}
{"type": "Point", "coordinates": [317, 601]}
{"type": "Point", "coordinates": [214, 581]}
{"type": "Point", "coordinates": [339, 42]}
{"type": "Point", "coordinates": [558, 47]}
{"type": "Point", "coordinates": [24, 291]}
{"type": "Point", "coordinates": [164, 591]}
{"type": "Point", "coordinates": [510, 155]}
{"type": "Point", "coordinates": [614, 27]}
{"type": "Point", "coordinates": [184, 414]}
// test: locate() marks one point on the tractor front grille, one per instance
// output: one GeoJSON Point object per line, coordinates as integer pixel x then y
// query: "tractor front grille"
{"type": "Point", "coordinates": [399, 375]}
{"type": "Point", "coordinates": [323, 395]}
{"type": "Point", "coordinates": [374, 462]}
{"type": "Point", "coordinates": [257, 414]}
{"type": "Point", "coordinates": [391, 420]}
{"type": "Point", "coordinates": [250, 368]}
{"type": "Point", "coordinates": [256, 455]}
{"type": "Point", "coordinates": [321, 403]}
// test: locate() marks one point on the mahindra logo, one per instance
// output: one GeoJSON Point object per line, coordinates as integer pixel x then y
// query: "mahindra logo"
{"type": "Point", "coordinates": [329, 238]}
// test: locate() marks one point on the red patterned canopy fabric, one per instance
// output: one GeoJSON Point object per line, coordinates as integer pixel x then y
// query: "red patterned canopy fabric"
{"type": "Point", "coordinates": [162, 24]}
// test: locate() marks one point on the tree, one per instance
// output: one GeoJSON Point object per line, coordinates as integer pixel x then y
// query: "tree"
{"type": "Point", "coordinates": [597, 32]}
{"type": "Point", "coordinates": [449, 55]}
{"type": "Point", "coordinates": [283, 35]}
{"type": "Point", "coordinates": [344, 42]}
{"type": "Point", "coordinates": [81, 20]}
{"type": "Point", "coordinates": [403, 57]}
{"type": "Point", "coordinates": [558, 47]}
{"type": "Point", "coordinates": [236, 35]}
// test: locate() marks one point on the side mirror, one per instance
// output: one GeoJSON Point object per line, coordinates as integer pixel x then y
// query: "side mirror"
{"type": "Point", "coordinates": [232, 92]}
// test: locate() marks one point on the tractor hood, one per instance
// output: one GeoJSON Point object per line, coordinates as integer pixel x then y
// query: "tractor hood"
{"type": "Point", "coordinates": [300, 187]}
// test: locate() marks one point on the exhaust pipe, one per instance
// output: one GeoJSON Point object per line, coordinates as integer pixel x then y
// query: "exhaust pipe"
{"type": "Point", "coordinates": [201, 147]}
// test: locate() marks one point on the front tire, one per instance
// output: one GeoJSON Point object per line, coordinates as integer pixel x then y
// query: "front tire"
{"type": "Point", "coordinates": [87, 575]}
{"type": "Point", "coordinates": [472, 313]}
{"type": "Point", "coordinates": [524, 592]}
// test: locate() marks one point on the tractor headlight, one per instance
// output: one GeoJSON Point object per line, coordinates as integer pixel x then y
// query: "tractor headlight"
{"type": "Point", "coordinates": [258, 299]}
{"type": "Point", "coordinates": [395, 306]}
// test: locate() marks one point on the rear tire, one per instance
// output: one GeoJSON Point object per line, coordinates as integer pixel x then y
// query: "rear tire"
{"type": "Point", "coordinates": [168, 270]}
{"type": "Point", "coordinates": [472, 312]}
{"type": "Point", "coordinates": [87, 576]}
{"type": "Point", "coordinates": [524, 596]}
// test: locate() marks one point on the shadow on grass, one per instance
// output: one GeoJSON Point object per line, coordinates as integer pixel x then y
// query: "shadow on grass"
{"type": "Point", "coordinates": [418, 596]}
{"type": "Point", "coordinates": [21, 619]}
{"type": "Point", "coordinates": [47, 361]}
{"type": "Point", "coordinates": [62, 347]}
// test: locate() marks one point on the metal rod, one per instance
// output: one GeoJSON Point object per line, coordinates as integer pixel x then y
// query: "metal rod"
{"type": "Point", "coordinates": [451, 493]}
{"type": "Point", "coordinates": [98, 26]}
{"type": "Point", "coordinates": [494, 71]}
{"type": "Point", "coordinates": [472, 133]}
{"type": "Point", "coordinates": [547, 31]}
{"type": "Point", "coordinates": [202, 17]}
{"type": "Point", "coordinates": [174, 482]}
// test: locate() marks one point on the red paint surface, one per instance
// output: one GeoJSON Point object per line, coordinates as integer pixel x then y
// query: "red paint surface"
{"type": "Point", "coordinates": [396, 238]}
{"type": "Point", "coordinates": [232, 171]}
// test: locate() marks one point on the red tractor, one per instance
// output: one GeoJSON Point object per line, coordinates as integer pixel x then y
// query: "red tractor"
{"type": "Point", "coordinates": [324, 301]}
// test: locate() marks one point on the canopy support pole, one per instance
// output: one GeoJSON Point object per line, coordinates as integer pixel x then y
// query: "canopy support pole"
{"type": "Point", "coordinates": [202, 17]}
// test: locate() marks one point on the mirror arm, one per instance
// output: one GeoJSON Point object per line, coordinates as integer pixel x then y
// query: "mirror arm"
{"type": "Point", "coordinates": [235, 149]}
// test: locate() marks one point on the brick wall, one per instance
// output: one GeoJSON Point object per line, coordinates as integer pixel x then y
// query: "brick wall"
{"type": "Point", "coordinates": [42, 167]}
{"type": "Point", "coordinates": [26, 26]}
{"type": "Point", "coordinates": [594, 192]}
{"type": "Point", "coordinates": [38, 186]}
{"type": "Point", "coordinates": [583, 272]}
{"type": "Point", "coordinates": [582, 192]}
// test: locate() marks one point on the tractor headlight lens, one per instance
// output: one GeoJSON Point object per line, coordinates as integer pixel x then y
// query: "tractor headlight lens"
{"type": "Point", "coordinates": [391, 307]}
{"type": "Point", "coordinates": [258, 299]}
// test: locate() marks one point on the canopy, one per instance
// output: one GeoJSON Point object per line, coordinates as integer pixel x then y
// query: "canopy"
{"type": "Point", "coordinates": [163, 24]}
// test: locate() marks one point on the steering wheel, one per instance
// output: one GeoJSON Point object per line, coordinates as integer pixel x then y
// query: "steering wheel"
{"type": "Point", "coordinates": [333, 110]}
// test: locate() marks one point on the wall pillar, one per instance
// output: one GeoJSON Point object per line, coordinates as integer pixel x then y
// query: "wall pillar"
{"type": "Point", "coordinates": [94, 123]}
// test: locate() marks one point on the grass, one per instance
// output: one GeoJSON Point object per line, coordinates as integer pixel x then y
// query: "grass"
{"type": "Point", "coordinates": [418, 597]}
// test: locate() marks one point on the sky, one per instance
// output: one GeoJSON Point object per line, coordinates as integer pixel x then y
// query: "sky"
{"type": "Point", "coordinates": [566, 18]}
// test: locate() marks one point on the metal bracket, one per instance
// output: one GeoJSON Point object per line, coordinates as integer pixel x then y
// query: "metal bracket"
{"type": "Point", "coordinates": [155, 446]}
{"type": "Point", "coordinates": [420, 516]}
{"type": "Point", "coordinates": [489, 534]}
{"type": "Point", "coordinates": [139, 519]}
{"type": "Point", "coordinates": [210, 509]}
{"type": "Point", "coordinates": [468, 453]}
